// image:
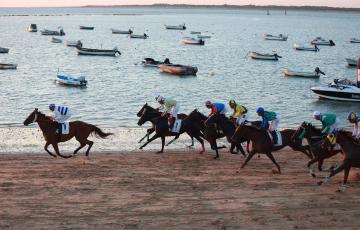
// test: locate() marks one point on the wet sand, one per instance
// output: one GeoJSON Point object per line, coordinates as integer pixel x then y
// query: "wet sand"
{"type": "Point", "coordinates": [174, 190]}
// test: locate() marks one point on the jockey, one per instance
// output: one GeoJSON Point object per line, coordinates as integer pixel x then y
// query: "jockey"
{"type": "Point", "coordinates": [215, 108]}
{"type": "Point", "coordinates": [240, 112]}
{"type": "Point", "coordinates": [168, 105]}
{"type": "Point", "coordinates": [354, 119]}
{"type": "Point", "coordinates": [270, 122]}
{"type": "Point", "coordinates": [329, 122]}
{"type": "Point", "coordinates": [61, 115]}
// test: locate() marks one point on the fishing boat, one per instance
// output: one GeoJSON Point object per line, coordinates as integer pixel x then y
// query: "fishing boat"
{"type": "Point", "coordinates": [279, 37]}
{"type": "Point", "coordinates": [313, 48]}
{"type": "Point", "coordinates": [270, 57]}
{"type": "Point", "coordinates": [73, 43]}
{"type": "Point", "coordinates": [354, 40]}
{"type": "Point", "coordinates": [52, 32]}
{"type": "Point", "coordinates": [4, 50]}
{"type": "Point", "coordinates": [87, 28]}
{"type": "Point", "coordinates": [97, 52]}
{"type": "Point", "coordinates": [322, 42]}
{"type": "Point", "coordinates": [178, 27]}
{"type": "Point", "coordinates": [139, 36]}
{"type": "Point", "coordinates": [342, 90]}
{"type": "Point", "coordinates": [70, 80]}
{"type": "Point", "coordinates": [351, 62]}
{"type": "Point", "coordinates": [150, 62]}
{"type": "Point", "coordinates": [32, 28]}
{"type": "Point", "coordinates": [114, 31]}
{"type": "Point", "coordinates": [315, 74]}
{"type": "Point", "coordinates": [203, 36]}
{"type": "Point", "coordinates": [193, 41]}
{"type": "Point", "coordinates": [56, 40]}
{"type": "Point", "coordinates": [195, 32]}
{"type": "Point", "coordinates": [8, 66]}
{"type": "Point", "coordinates": [178, 69]}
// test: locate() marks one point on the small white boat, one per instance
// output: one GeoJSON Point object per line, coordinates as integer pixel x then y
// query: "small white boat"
{"type": "Point", "coordinates": [52, 32]}
{"type": "Point", "coordinates": [351, 62]}
{"type": "Point", "coordinates": [341, 90]}
{"type": "Point", "coordinates": [70, 80]}
{"type": "Point", "coordinates": [178, 27]}
{"type": "Point", "coordinates": [354, 40]}
{"type": "Point", "coordinates": [56, 40]}
{"type": "Point", "coordinates": [195, 32]}
{"type": "Point", "coordinates": [203, 36]}
{"type": "Point", "coordinates": [279, 37]}
{"type": "Point", "coordinates": [32, 28]}
{"type": "Point", "coordinates": [4, 50]}
{"type": "Point", "coordinates": [73, 43]}
{"type": "Point", "coordinates": [97, 52]}
{"type": "Point", "coordinates": [8, 66]}
{"type": "Point", "coordinates": [193, 41]}
{"type": "Point", "coordinates": [139, 36]}
{"type": "Point", "coordinates": [315, 74]}
{"type": "Point", "coordinates": [322, 42]}
{"type": "Point", "coordinates": [270, 57]}
{"type": "Point", "coordinates": [313, 48]}
{"type": "Point", "coordinates": [114, 31]}
{"type": "Point", "coordinates": [178, 69]}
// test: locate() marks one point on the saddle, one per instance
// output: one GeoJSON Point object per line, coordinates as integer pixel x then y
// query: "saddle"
{"type": "Point", "coordinates": [65, 128]}
{"type": "Point", "coordinates": [278, 137]}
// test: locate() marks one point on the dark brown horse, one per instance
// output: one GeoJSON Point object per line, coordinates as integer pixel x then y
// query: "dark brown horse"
{"type": "Point", "coordinates": [351, 151]}
{"type": "Point", "coordinates": [262, 143]}
{"type": "Point", "coordinates": [314, 139]}
{"type": "Point", "coordinates": [78, 129]}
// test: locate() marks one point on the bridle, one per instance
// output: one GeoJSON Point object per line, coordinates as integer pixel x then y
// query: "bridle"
{"type": "Point", "coordinates": [35, 118]}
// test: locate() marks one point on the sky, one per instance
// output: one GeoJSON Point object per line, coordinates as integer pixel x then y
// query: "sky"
{"type": "Point", "coordinates": [54, 3]}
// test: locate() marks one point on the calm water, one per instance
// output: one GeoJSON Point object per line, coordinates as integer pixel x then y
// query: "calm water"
{"type": "Point", "coordinates": [118, 87]}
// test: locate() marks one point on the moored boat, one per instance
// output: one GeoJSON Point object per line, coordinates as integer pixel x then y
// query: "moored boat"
{"type": "Point", "coordinates": [203, 36]}
{"type": "Point", "coordinates": [32, 28]}
{"type": "Point", "coordinates": [150, 62]}
{"type": "Point", "coordinates": [53, 32]}
{"type": "Point", "coordinates": [351, 62]}
{"type": "Point", "coordinates": [341, 90]}
{"type": "Point", "coordinates": [114, 31]}
{"type": "Point", "coordinates": [313, 48]}
{"type": "Point", "coordinates": [315, 74]}
{"type": "Point", "coordinates": [178, 69]}
{"type": "Point", "coordinates": [87, 28]}
{"type": "Point", "coordinates": [178, 27]}
{"type": "Point", "coordinates": [193, 41]}
{"type": "Point", "coordinates": [56, 40]}
{"type": "Point", "coordinates": [8, 66]}
{"type": "Point", "coordinates": [270, 57]}
{"type": "Point", "coordinates": [139, 36]}
{"type": "Point", "coordinates": [279, 37]}
{"type": "Point", "coordinates": [195, 32]}
{"type": "Point", "coordinates": [354, 40]}
{"type": "Point", "coordinates": [4, 50]}
{"type": "Point", "coordinates": [73, 43]}
{"type": "Point", "coordinates": [70, 80]}
{"type": "Point", "coordinates": [322, 42]}
{"type": "Point", "coordinates": [97, 52]}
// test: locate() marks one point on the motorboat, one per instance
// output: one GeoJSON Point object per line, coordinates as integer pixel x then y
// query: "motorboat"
{"type": "Point", "coordinates": [73, 43]}
{"type": "Point", "coordinates": [315, 74]}
{"type": "Point", "coordinates": [97, 52]}
{"type": "Point", "coordinates": [193, 41]}
{"type": "Point", "coordinates": [70, 80]}
{"type": "Point", "coordinates": [270, 57]}
{"type": "Point", "coordinates": [322, 42]}
{"type": "Point", "coordinates": [178, 27]}
{"type": "Point", "coordinates": [139, 36]}
{"type": "Point", "coordinates": [354, 40]}
{"type": "Point", "coordinates": [178, 69]}
{"type": "Point", "coordinates": [313, 48]}
{"type": "Point", "coordinates": [114, 31]}
{"type": "Point", "coordinates": [341, 90]}
{"type": "Point", "coordinates": [8, 66]}
{"type": "Point", "coordinates": [56, 40]}
{"type": "Point", "coordinates": [203, 36]}
{"type": "Point", "coordinates": [4, 50]}
{"type": "Point", "coordinates": [87, 28]}
{"type": "Point", "coordinates": [351, 62]}
{"type": "Point", "coordinates": [150, 62]}
{"type": "Point", "coordinates": [32, 28]}
{"type": "Point", "coordinates": [53, 32]}
{"type": "Point", "coordinates": [195, 32]}
{"type": "Point", "coordinates": [279, 37]}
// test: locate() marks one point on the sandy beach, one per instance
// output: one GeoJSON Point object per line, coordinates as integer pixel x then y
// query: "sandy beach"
{"type": "Point", "coordinates": [174, 190]}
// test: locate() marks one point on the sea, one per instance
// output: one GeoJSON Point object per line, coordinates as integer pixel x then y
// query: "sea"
{"type": "Point", "coordinates": [119, 86]}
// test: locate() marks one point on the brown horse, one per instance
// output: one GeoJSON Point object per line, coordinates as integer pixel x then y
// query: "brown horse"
{"type": "Point", "coordinates": [78, 129]}
{"type": "Point", "coordinates": [261, 142]}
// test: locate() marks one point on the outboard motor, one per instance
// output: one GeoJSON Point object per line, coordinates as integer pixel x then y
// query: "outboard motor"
{"type": "Point", "coordinates": [331, 43]}
{"type": "Point", "coordinates": [317, 70]}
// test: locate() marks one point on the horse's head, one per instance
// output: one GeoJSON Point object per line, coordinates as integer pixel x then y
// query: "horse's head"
{"type": "Point", "coordinates": [142, 109]}
{"type": "Point", "coordinates": [147, 115]}
{"type": "Point", "coordinates": [196, 116]}
{"type": "Point", "coordinates": [33, 116]}
{"type": "Point", "coordinates": [300, 132]}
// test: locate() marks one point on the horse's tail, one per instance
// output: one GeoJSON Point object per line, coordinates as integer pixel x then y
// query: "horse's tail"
{"type": "Point", "coordinates": [99, 133]}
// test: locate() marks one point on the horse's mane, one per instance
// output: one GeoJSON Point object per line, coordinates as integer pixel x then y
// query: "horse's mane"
{"type": "Point", "coordinates": [201, 114]}
{"type": "Point", "coordinates": [43, 115]}
{"type": "Point", "coordinates": [312, 127]}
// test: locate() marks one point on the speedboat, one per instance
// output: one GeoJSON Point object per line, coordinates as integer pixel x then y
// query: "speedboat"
{"type": "Point", "coordinates": [73, 43]}
{"type": "Point", "coordinates": [114, 31]}
{"type": "Point", "coordinates": [4, 50]}
{"type": "Point", "coordinates": [8, 66]}
{"type": "Point", "coordinates": [341, 90]}
{"type": "Point", "coordinates": [149, 62]}
{"type": "Point", "coordinates": [351, 62]}
{"type": "Point", "coordinates": [87, 28]}
{"type": "Point", "coordinates": [178, 69]}
{"type": "Point", "coordinates": [32, 28]}
{"type": "Point", "coordinates": [193, 41]}
{"type": "Point", "coordinates": [306, 48]}
{"type": "Point", "coordinates": [179, 27]}
{"type": "Point", "coordinates": [56, 40]}
{"type": "Point", "coordinates": [70, 80]}
{"type": "Point", "coordinates": [97, 52]}
{"type": "Point", "coordinates": [315, 74]}
{"type": "Point", "coordinates": [280, 37]}
{"type": "Point", "coordinates": [52, 32]}
{"type": "Point", "coordinates": [354, 40]}
{"type": "Point", "coordinates": [139, 36]}
{"type": "Point", "coordinates": [322, 42]}
{"type": "Point", "coordinates": [270, 57]}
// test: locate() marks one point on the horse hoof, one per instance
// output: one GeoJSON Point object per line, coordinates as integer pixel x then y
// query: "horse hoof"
{"type": "Point", "coordinates": [216, 158]}
{"type": "Point", "coordinates": [141, 148]}
{"type": "Point", "coordinates": [201, 152]}
{"type": "Point", "coordinates": [234, 152]}
{"type": "Point", "coordinates": [274, 171]}
{"type": "Point", "coordinates": [319, 182]}
{"type": "Point", "coordinates": [237, 171]}
{"type": "Point", "coordinates": [313, 175]}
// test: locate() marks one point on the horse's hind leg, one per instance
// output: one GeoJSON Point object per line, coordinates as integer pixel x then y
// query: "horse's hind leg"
{"type": "Point", "coordinates": [56, 148]}
{"type": "Point", "coordinates": [333, 173]}
{"type": "Point", "coordinates": [202, 143]}
{"type": "Point", "coordinates": [172, 141]}
{"type": "Point", "coordinates": [162, 144]}
{"type": "Point", "coordinates": [251, 154]}
{"type": "Point", "coordinates": [81, 146]}
{"type": "Point", "coordinates": [273, 160]}
{"type": "Point", "coordinates": [150, 140]}
{"type": "Point", "coordinates": [46, 149]}
{"type": "Point", "coordinates": [90, 143]}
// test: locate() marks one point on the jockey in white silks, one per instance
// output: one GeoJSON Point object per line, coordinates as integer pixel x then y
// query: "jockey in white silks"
{"type": "Point", "coordinates": [61, 115]}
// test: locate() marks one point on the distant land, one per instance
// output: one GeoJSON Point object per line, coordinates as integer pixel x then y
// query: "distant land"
{"type": "Point", "coordinates": [232, 7]}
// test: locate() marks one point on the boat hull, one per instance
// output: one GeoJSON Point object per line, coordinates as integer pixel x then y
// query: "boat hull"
{"type": "Point", "coordinates": [351, 62]}
{"type": "Point", "coordinates": [193, 41]}
{"type": "Point", "coordinates": [265, 57]}
{"type": "Point", "coordinates": [87, 28]}
{"type": "Point", "coordinates": [8, 66]}
{"type": "Point", "coordinates": [178, 70]}
{"type": "Point", "coordinates": [337, 94]}
{"type": "Point", "coordinates": [290, 73]}
{"type": "Point", "coordinates": [180, 27]}
{"type": "Point", "coordinates": [70, 81]}
{"type": "Point", "coordinates": [121, 31]}
{"type": "Point", "coordinates": [4, 50]}
{"type": "Point", "coordinates": [96, 52]}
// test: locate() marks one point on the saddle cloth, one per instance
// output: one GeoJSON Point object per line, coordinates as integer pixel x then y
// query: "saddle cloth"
{"type": "Point", "coordinates": [279, 138]}
{"type": "Point", "coordinates": [177, 126]}
{"type": "Point", "coordinates": [65, 128]}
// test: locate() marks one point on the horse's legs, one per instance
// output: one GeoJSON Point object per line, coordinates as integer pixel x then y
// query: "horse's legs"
{"type": "Point", "coordinates": [346, 175]}
{"type": "Point", "coordinates": [273, 160]}
{"type": "Point", "coordinates": [81, 146]}
{"type": "Point", "coordinates": [46, 149]}
{"type": "Point", "coordinates": [201, 142]}
{"type": "Point", "coordinates": [333, 173]}
{"type": "Point", "coordinates": [239, 147]}
{"type": "Point", "coordinates": [251, 154]}
{"type": "Point", "coordinates": [232, 148]}
{"type": "Point", "coordinates": [162, 144]}
{"type": "Point", "coordinates": [56, 148]}
{"type": "Point", "coordinates": [150, 140]}
{"type": "Point", "coordinates": [172, 141]}
{"type": "Point", "coordinates": [214, 146]}
{"type": "Point", "coordinates": [90, 143]}
{"type": "Point", "coordinates": [320, 163]}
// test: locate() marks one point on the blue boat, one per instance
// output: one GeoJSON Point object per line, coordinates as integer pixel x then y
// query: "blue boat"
{"type": "Point", "coordinates": [70, 80]}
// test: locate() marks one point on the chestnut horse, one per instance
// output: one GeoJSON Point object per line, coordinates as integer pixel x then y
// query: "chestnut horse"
{"type": "Point", "coordinates": [78, 129]}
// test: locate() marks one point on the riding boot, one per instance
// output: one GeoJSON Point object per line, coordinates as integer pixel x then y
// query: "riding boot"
{"type": "Point", "coordinates": [274, 135]}
{"type": "Point", "coordinates": [59, 131]}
